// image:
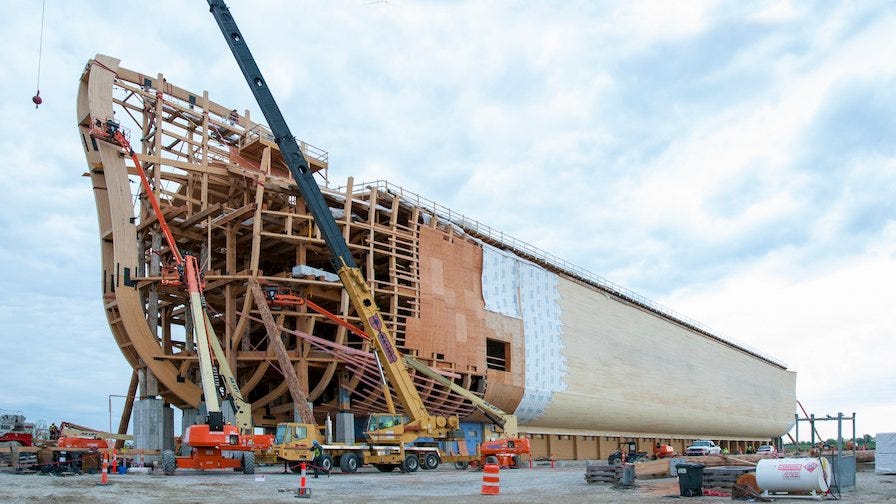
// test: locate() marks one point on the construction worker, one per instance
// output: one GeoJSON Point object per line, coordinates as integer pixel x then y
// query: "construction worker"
{"type": "Point", "coordinates": [54, 431]}
{"type": "Point", "coordinates": [317, 457]}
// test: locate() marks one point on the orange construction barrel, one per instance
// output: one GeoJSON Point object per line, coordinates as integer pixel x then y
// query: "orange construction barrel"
{"type": "Point", "coordinates": [491, 479]}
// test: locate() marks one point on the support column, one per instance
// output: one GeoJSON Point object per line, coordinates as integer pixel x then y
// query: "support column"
{"type": "Point", "coordinates": [148, 384]}
{"type": "Point", "coordinates": [190, 416]}
{"type": "Point", "coordinates": [153, 426]}
{"type": "Point", "coordinates": [345, 420]}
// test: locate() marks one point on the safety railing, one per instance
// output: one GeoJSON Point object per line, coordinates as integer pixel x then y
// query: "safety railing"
{"type": "Point", "coordinates": [308, 150]}
{"type": "Point", "coordinates": [551, 261]}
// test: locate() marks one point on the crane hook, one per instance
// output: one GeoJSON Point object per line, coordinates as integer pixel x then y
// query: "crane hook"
{"type": "Point", "coordinates": [37, 99]}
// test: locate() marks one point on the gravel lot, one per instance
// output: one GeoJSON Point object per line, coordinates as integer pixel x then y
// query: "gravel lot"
{"type": "Point", "coordinates": [445, 485]}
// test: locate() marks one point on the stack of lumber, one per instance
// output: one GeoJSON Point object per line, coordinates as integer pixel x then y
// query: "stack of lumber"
{"type": "Point", "coordinates": [602, 473]}
{"type": "Point", "coordinates": [660, 468]}
{"type": "Point", "coordinates": [724, 477]}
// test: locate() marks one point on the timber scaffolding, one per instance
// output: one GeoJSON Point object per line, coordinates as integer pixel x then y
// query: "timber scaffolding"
{"type": "Point", "coordinates": [229, 199]}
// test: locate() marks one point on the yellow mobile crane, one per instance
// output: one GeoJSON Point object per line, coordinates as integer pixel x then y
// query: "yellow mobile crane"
{"type": "Point", "coordinates": [419, 422]}
{"type": "Point", "coordinates": [388, 434]}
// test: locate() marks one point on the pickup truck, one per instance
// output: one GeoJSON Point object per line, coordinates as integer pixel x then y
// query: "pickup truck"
{"type": "Point", "coordinates": [703, 447]}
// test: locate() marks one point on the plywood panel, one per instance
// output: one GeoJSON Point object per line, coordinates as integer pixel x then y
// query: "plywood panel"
{"type": "Point", "coordinates": [453, 321]}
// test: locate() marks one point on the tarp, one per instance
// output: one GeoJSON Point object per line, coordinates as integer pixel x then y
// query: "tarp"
{"type": "Point", "coordinates": [518, 288]}
{"type": "Point", "coordinates": [500, 284]}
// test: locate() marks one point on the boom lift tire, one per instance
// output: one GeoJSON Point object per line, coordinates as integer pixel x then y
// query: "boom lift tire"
{"type": "Point", "coordinates": [411, 463]}
{"type": "Point", "coordinates": [430, 462]}
{"type": "Point", "coordinates": [169, 462]}
{"type": "Point", "coordinates": [460, 466]}
{"type": "Point", "coordinates": [491, 459]}
{"type": "Point", "coordinates": [617, 461]}
{"type": "Point", "coordinates": [516, 462]}
{"type": "Point", "coordinates": [349, 463]}
{"type": "Point", "coordinates": [384, 467]}
{"type": "Point", "coordinates": [248, 462]}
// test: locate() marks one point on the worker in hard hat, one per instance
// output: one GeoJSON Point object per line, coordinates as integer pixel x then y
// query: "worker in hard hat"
{"type": "Point", "coordinates": [317, 457]}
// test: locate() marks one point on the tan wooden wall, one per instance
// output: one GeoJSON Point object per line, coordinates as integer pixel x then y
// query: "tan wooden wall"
{"type": "Point", "coordinates": [633, 371]}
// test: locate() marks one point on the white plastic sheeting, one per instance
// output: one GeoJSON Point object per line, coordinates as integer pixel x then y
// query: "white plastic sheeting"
{"type": "Point", "coordinates": [885, 453]}
{"type": "Point", "coordinates": [500, 284]}
{"type": "Point", "coordinates": [517, 288]}
{"type": "Point", "coordinates": [303, 270]}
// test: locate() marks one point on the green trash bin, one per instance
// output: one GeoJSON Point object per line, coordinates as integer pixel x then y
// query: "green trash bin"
{"type": "Point", "coordinates": [690, 479]}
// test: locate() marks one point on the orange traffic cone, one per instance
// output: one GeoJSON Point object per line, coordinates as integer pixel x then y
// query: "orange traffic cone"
{"type": "Point", "coordinates": [491, 481]}
{"type": "Point", "coordinates": [303, 492]}
{"type": "Point", "coordinates": [104, 476]}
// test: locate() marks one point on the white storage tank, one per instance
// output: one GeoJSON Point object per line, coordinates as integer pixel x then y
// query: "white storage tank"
{"type": "Point", "coordinates": [794, 475]}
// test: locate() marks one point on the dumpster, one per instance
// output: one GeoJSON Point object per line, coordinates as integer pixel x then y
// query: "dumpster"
{"type": "Point", "coordinates": [690, 479]}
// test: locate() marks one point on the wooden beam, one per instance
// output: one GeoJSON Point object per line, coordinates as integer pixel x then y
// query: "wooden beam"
{"type": "Point", "coordinates": [257, 225]}
{"type": "Point", "coordinates": [128, 407]}
{"type": "Point", "coordinates": [198, 216]}
{"type": "Point", "coordinates": [286, 367]}
{"type": "Point", "coordinates": [235, 214]}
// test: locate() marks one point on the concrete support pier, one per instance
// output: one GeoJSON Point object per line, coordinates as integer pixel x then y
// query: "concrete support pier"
{"type": "Point", "coordinates": [153, 426]}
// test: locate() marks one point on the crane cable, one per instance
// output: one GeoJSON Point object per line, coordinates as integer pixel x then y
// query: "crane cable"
{"type": "Point", "coordinates": [36, 98]}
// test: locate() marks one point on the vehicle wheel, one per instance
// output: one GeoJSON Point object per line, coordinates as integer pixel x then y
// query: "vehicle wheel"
{"type": "Point", "coordinates": [326, 463]}
{"type": "Point", "coordinates": [169, 462]}
{"type": "Point", "coordinates": [640, 460]}
{"type": "Point", "coordinates": [688, 493]}
{"type": "Point", "coordinates": [516, 463]}
{"type": "Point", "coordinates": [491, 459]}
{"type": "Point", "coordinates": [295, 467]}
{"type": "Point", "coordinates": [249, 462]}
{"type": "Point", "coordinates": [430, 461]}
{"type": "Point", "coordinates": [384, 467]}
{"type": "Point", "coordinates": [348, 463]}
{"type": "Point", "coordinates": [460, 466]}
{"type": "Point", "coordinates": [411, 463]}
{"type": "Point", "coordinates": [616, 461]}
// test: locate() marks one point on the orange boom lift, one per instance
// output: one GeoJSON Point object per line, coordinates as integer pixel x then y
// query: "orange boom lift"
{"type": "Point", "coordinates": [207, 440]}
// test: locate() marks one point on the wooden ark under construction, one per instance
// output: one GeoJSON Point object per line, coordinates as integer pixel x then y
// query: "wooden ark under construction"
{"type": "Point", "coordinates": [582, 362]}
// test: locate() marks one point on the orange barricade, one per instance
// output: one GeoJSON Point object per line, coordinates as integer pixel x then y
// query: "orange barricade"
{"type": "Point", "coordinates": [491, 480]}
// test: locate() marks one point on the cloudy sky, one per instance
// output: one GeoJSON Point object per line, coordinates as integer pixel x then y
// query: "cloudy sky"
{"type": "Point", "coordinates": [734, 161]}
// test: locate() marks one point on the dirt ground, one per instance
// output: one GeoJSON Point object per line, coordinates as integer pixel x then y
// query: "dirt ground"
{"type": "Point", "coordinates": [444, 485]}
